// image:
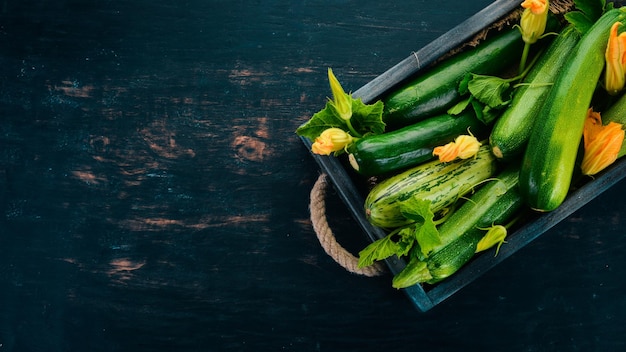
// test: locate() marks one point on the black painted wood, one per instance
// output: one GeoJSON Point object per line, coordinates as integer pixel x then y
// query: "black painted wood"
{"type": "Point", "coordinates": [153, 194]}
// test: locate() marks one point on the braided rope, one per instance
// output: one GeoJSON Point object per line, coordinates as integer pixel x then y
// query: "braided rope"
{"type": "Point", "coordinates": [326, 237]}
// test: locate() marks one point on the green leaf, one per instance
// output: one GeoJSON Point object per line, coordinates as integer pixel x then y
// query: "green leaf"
{"type": "Point", "coordinates": [377, 250]}
{"type": "Point", "coordinates": [427, 236]}
{"type": "Point", "coordinates": [492, 91]}
{"type": "Point", "coordinates": [489, 115]}
{"type": "Point", "coordinates": [588, 12]}
{"type": "Point", "coordinates": [479, 109]}
{"type": "Point", "coordinates": [593, 9]}
{"type": "Point", "coordinates": [386, 247]}
{"type": "Point", "coordinates": [416, 209]}
{"type": "Point", "coordinates": [406, 242]}
{"type": "Point", "coordinates": [459, 107]}
{"type": "Point", "coordinates": [367, 118]}
{"type": "Point", "coordinates": [320, 121]}
{"type": "Point", "coordinates": [426, 232]}
{"type": "Point", "coordinates": [579, 20]}
{"type": "Point", "coordinates": [362, 119]}
{"type": "Point", "coordinates": [463, 84]}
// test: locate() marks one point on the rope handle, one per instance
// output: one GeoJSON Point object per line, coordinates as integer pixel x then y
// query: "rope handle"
{"type": "Point", "coordinates": [327, 238]}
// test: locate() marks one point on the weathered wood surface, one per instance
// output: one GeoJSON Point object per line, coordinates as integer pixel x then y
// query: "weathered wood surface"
{"type": "Point", "coordinates": [153, 194]}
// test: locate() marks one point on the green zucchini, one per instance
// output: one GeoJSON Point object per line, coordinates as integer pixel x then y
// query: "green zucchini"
{"type": "Point", "coordinates": [440, 183]}
{"type": "Point", "coordinates": [550, 156]}
{"type": "Point", "coordinates": [436, 90]}
{"type": "Point", "coordinates": [411, 145]}
{"type": "Point", "coordinates": [512, 129]}
{"type": "Point", "coordinates": [496, 202]}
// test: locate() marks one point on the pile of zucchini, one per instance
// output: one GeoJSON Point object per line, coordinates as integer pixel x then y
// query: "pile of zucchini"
{"type": "Point", "coordinates": [439, 214]}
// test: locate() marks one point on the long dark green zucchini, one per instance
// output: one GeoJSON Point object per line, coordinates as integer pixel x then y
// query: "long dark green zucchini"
{"type": "Point", "coordinates": [435, 91]}
{"type": "Point", "coordinates": [550, 156]}
{"type": "Point", "coordinates": [411, 145]}
{"type": "Point", "coordinates": [512, 129]}
{"type": "Point", "coordinates": [496, 202]}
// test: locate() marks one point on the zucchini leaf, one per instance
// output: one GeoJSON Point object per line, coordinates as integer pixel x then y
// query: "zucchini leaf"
{"type": "Point", "coordinates": [366, 119]}
{"type": "Point", "coordinates": [422, 234]}
{"type": "Point", "coordinates": [464, 84]}
{"type": "Point", "coordinates": [579, 20]}
{"type": "Point", "coordinates": [460, 107]}
{"type": "Point", "coordinates": [320, 121]}
{"type": "Point", "coordinates": [485, 113]}
{"type": "Point", "coordinates": [399, 244]}
{"type": "Point", "coordinates": [424, 229]}
{"type": "Point", "coordinates": [587, 13]}
{"type": "Point", "coordinates": [487, 96]}
{"type": "Point", "coordinates": [492, 91]}
{"type": "Point", "coordinates": [593, 9]}
{"type": "Point", "coordinates": [377, 250]}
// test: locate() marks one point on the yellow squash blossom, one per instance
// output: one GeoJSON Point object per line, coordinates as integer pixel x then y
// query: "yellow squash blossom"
{"type": "Point", "coordinates": [534, 19]}
{"type": "Point", "coordinates": [601, 143]}
{"type": "Point", "coordinates": [494, 236]}
{"type": "Point", "coordinates": [615, 55]}
{"type": "Point", "coordinates": [341, 101]}
{"type": "Point", "coordinates": [463, 147]}
{"type": "Point", "coordinates": [331, 140]}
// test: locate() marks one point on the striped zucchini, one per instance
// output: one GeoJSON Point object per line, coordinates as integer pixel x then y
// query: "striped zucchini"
{"type": "Point", "coordinates": [550, 157]}
{"type": "Point", "coordinates": [440, 183]}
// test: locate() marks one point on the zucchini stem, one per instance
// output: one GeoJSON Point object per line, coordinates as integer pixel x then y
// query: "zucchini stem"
{"type": "Point", "coordinates": [515, 219]}
{"type": "Point", "coordinates": [522, 64]}
{"type": "Point", "coordinates": [526, 51]}
{"type": "Point", "coordinates": [523, 69]}
{"type": "Point", "coordinates": [352, 130]}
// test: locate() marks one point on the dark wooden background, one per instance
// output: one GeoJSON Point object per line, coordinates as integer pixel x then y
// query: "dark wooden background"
{"type": "Point", "coordinates": [154, 196]}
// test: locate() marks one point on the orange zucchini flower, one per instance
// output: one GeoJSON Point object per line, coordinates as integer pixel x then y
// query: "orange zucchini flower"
{"type": "Point", "coordinates": [331, 140]}
{"type": "Point", "coordinates": [463, 147]}
{"type": "Point", "coordinates": [601, 143]}
{"type": "Point", "coordinates": [615, 55]}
